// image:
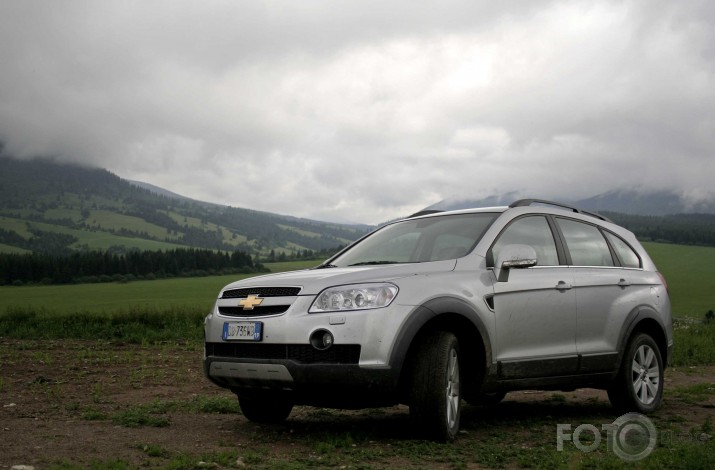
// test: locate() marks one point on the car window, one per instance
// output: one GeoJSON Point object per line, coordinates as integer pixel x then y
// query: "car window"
{"type": "Point", "coordinates": [447, 246]}
{"type": "Point", "coordinates": [628, 257]}
{"type": "Point", "coordinates": [585, 243]}
{"type": "Point", "coordinates": [419, 240]}
{"type": "Point", "coordinates": [398, 249]}
{"type": "Point", "coordinates": [533, 231]}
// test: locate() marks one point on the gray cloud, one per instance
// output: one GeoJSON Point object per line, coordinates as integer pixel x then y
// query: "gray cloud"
{"type": "Point", "coordinates": [366, 110]}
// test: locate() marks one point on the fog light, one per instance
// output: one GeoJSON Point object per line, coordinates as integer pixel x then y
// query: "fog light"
{"type": "Point", "coordinates": [321, 339]}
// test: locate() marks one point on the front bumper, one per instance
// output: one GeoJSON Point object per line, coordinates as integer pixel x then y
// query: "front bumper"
{"type": "Point", "coordinates": [325, 385]}
{"type": "Point", "coordinates": [355, 372]}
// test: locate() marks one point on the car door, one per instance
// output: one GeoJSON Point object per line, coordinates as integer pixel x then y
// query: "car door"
{"type": "Point", "coordinates": [535, 309]}
{"type": "Point", "coordinates": [604, 283]}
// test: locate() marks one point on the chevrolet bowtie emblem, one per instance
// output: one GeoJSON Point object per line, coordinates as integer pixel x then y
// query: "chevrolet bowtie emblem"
{"type": "Point", "coordinates": [249, 302]}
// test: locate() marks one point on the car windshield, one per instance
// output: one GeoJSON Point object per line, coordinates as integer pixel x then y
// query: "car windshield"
{"type": "Point", "coordinates": [418, 240]}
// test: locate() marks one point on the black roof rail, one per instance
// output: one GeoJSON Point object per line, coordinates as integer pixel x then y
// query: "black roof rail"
{"type": "Point", "coordinates": [424, 212]}
{"type": "Point", "coordinates": [529, 202]}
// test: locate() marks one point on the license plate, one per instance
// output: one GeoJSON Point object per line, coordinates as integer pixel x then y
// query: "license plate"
{"type": "Point", "coordinates": [242, 331]}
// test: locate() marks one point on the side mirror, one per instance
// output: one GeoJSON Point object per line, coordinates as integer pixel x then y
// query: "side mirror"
{"type": "Point", "coordinates": [514, 257]}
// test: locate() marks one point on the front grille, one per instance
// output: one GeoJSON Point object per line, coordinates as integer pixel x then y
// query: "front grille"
{"type": "Point", "coordinates": [257, 311]}
{"type": "Point", "coordinates": [261, 292]}
{"type": "Point", "coordinates": [301, 353]}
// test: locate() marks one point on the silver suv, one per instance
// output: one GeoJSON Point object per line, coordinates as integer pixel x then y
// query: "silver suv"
{"type": "Point", "coordinates": [446, 306]}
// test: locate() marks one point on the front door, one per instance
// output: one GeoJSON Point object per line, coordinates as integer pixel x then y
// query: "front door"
{"type": "Point", "coordinates": [535, 309]}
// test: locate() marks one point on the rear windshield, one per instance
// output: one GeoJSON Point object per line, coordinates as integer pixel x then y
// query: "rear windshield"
{"type": "Point", "coordinates": [419, 240]}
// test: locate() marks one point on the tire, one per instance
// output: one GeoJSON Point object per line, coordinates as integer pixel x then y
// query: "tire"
{"type": "Point", "coordinates": [639, 384]}
{"type": "Point", "coordinates": [435, 401]}
{"type": "Point", "coordinates": [269, 409]}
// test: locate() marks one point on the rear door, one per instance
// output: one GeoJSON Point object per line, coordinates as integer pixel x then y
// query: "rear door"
{"type": "Point", "coordinates": [606, 285]}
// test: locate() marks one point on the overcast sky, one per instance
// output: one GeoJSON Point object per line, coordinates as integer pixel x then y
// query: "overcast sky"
{"type": "Point", "coordinates": [366, 110]}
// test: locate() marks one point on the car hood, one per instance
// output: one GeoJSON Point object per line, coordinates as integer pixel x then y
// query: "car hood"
{"type": "Point", "coordinates": [313, 281]}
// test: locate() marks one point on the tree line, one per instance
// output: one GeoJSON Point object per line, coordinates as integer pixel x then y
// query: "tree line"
{"type": "Point", "coordinates": [682, 229]}
{"type": "Point", "coordinates": [96, 266]}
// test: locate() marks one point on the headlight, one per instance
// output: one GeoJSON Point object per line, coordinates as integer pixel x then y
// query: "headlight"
{"type": "Point", "coordinates": [354, 297]}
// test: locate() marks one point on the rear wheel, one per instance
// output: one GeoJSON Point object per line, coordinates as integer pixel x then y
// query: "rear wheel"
{"type": "Point", "coordinates": [270, 408]}
{"type": "Point", "coordinates": [639, 383]}
{"type": "Point", "coordinates": [435, 400]}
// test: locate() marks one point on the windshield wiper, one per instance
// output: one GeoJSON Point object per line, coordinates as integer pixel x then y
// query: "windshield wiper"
{"type": "Point", "coordinates": [323, 266]}
{"type": "Point", "coordinates": [366, 263]}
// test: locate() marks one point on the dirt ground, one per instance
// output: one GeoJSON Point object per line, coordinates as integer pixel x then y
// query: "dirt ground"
{"type": "Point", "coordinates": [59, 403]}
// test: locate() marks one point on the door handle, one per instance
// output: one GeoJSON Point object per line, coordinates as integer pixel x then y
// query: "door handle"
{"type": "Point", "coordinates": [562, 286]}
{"type": "Point", "coordinates": [623, 283]}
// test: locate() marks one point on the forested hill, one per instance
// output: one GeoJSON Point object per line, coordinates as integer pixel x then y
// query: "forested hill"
{"type": "Point", "coordinates": [682, 229]}
{"type": "Point", "coordinates": [56, 208]}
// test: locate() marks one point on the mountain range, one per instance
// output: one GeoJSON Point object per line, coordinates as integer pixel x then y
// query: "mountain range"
{"type": "Point", "coordinates": [46, 206]}
{"type": "Point", "coordinates": [626, 201]}
{"type": "Point", "coordinates": [52, 207]}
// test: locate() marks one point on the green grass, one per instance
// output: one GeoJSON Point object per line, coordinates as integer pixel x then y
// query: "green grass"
{"type": "Point", "coordinates": [16, 225]}
{"type": "Point", "coordinates": [695, 394]}
{"type": "Point", "coordinates": [154, 413]}
{"type": "Point", "coordinates": [140, 311]}
{"type": "Point", "coordinates": [197, 293]}
{"type": "Point", "coordinates": [299, 231]}
{"type": "Point", "coordinates": [140, 416]}
{"type": "Point", "coordinates": [112, 221]}
{"type": "Point", "coordinates": [97, 240]}
{"type": "Point", "coordinates": [13, 250]}
{"type": "Point", "coordinates": [59, 214]}
{"type": "Point", "coordinates": [141, 325]}
{"type": "Point", "coordinates": [694, 343]}
{"type": "Point", "coordinates": [690, 273]}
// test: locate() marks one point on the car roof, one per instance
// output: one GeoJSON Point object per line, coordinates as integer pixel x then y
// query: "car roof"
{"type": "Point", "coordinates": [473, 210]}
{"type": "Point", "coordinates": [521, 203]}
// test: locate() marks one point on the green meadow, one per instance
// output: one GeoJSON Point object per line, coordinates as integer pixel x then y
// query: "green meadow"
{"type": "Point", "coordinates": [173, 309]}
{"type": "Point", "coordinates": [690, 273]}
{"type": "Point", "coordinates": [97, 239]}
{"type": "Point", "coordinates": [195, 293]}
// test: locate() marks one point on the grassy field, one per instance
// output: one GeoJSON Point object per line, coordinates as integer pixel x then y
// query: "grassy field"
{"type": "Point", "coordinates": [13, 250]}
{"type": "Point", "coordinates": [97, 240]}
{"type": "Point", "coordinates": [690, 273]}
{"type": "Point", "coordinates": [196, 293]}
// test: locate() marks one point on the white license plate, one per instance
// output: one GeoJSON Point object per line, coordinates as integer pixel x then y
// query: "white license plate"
{"type": "Point", "coordinates": [242, 331]}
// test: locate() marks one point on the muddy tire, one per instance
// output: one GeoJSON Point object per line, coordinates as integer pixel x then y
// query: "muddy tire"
{"type": "Point", "coordinates": [435, 401]}
{"type": "Point", "coordinates": [639, 384]}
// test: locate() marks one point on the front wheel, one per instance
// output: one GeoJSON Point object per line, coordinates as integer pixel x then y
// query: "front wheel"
{"type": "Point", "coordinates": [267, 409]}
{"type": "Point", "coordinates": [435, 401]}
{"type": "Point", "coordinates": [639, 383]}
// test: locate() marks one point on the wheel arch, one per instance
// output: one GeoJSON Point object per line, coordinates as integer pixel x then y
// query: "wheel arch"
{"type": "Point", "coordinates": [645, 320]}
{"type": "Point", "coordinates": [446, 314]}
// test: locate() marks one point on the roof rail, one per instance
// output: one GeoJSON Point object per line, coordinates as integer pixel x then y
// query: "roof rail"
{"type": "Point", "coordinates": [529, 202]}
{"type": "Point", "coordinates": [424, 212]}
